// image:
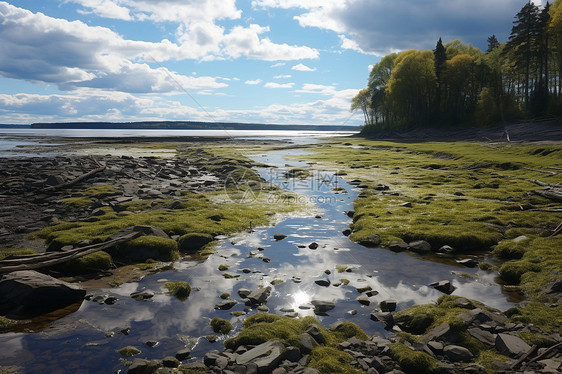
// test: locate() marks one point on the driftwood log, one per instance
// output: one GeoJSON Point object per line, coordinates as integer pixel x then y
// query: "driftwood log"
{"type": "Point", "coordinates": [550, 191]}
{"type": "Point", "coordinates": [77, 180]}
{"type": "Point", "coordinates": [54, 258]}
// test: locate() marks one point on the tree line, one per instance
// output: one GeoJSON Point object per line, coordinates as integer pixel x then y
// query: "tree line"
{"type": "Point", "coordinates": [457, 84]}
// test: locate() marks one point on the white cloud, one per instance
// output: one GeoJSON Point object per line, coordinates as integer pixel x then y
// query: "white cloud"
{"type": "Point", "coordinates": [253, 82]}
{"type": "Point", "coordinates": [278, 85]}
{"type": "Point", "coordinates": [317, 89]}
{"type": "Point", "coordinates": [286, 76]}
{"type": "Point", "coordinates": [105, 8]}
{"type": "Point", "coordinates": [277, 65]}
{"type": "Point", "coordinates": [302, 67]}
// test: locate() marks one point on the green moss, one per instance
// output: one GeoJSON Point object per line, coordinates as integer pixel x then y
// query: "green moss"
{"type": "Point", "coordinates": [539, 340]}
{"type": "Point", "coordinates": [221, 326]}
{"type": "Point", "coordinates": [223, 267]}
{"type": "Point", "coordinates": [542, 314]}
{"type": "Point", "coordinates": [16, 252]}
{"type": "Point", "coordinates": [148, 247]}
{"type": "Point", "coordinates": [129, 351]}
{"type": "Point", "coordinates": [511, 272]}
{"type": "Point", "coordinates": [329, 360]}
{"type": "Point", "coordinates": [509, 250]}
{"type": "Point", "coordinates": [486, 266]}
{"type": "Point", "coordinates": [364, 289]}
{"type": "Point", "coordinates": [341, 268]}
{"type": "Point", "coordinates": [79, 202]}
{"type": "Point", "coordinates": [412, 361]}
{"type": "Point", "coordinates": [180, 289]}
{"type": "Point", "coordinates": [344, 281]}
{"type": "Point", "coordinates": [487, 358]}
{"type": "Point", "coordinates": [6, 323]}
{"type": "Point", "coordinates": [100, 191]}
{"type": "Point", "coordinates": [275, 282]}
{"type": "Point", "coordinates": [230, 276]}
{"type": "Point", "coordinates": [346, 330]}
{"type": "Point", "coordinates": [237, 313]}
{"type": "Point", "coordinates": [194, 241]}
{"type": "Point", "coordinates": [224, 295]}
{"type": "Point", "coordinates": [93, 262]}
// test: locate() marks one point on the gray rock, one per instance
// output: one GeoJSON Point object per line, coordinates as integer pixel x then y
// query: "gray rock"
{"type": "Point", "coordinates": [385, 317]}
{"type": "Point", "coordinates": [324, 282]}
{"type": "Point", "coordinates": [314, 331]}
{"type": "Point", "coordinates": [436, 347]}
{"type": "Point", "coordinates": [313, 245]}
{"type": "Point", "coordinates": [419, 246]}
{"type": "Point", "coordinates": [307, 343]}
{"type": "Point", "coordinates": [141, 366]}
{"type": "Point", "coordinates": [142, 295]}
{"type": "Point", "coordinates": [211, 357]}
{"type": "Point", "coordinates": [446, 249]}
{"type": "Point", "coordinates": [397, 246]}
{"type": "Point", "coordinates": [28, 293]}
{"type": "Point", "coordinates": [322, 306]}
{"type": "Point", "coordinates": [260, 295]}
{"type": "Point", "coordinates": [482, 335]}
{"type": "Point", "coordinates": [444, 286]}
{"type": "Point", "coordinates": [170, 362]}
{"type": "Point", "coordinates": [266, 356]}
{"type": "Point", "coordinates": [183, 354]}
{"type": "Point", "coordinates": [244, 292]}
{"type": "Point", "coordinates": [54, 180]}
{"type": "Point", "coordinates": [437, 332]}
{"type": "Point", "coordinates": [511, 345]}
{"type": "Point", "coordinates": [346, 232]}
{"type": "Point", "coordinates": [457, 353]}
{"type": "Point", "coordinates": [226, 304]}
{"type": "Point", "coordinates": [371, 241]}
{"type": "Point", "coordinates": [468, 262]}
{"type": "Point", "coordinates": [406, 205]}
{"type": "Point", "coordinates": [388, 305]}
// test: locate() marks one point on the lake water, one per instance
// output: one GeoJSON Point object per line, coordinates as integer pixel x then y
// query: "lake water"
{"type": "Point", "coordinates": [77, 342]}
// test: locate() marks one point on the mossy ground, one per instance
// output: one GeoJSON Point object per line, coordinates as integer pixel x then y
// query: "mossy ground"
{"type": "Point", "coordinates": [470, 196]}
{"type": "Point", "coordinates": [16, 252]}
{"type": "Point", "coordinates": [263, 327]}
{"type": "Point", "coordinates": [220, 325]}
{"type": "Point", "coordinates": [181, 290]}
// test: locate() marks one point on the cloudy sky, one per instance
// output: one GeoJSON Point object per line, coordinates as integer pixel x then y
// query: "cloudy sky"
{"type": "Point", "coordinates": [266, 61]}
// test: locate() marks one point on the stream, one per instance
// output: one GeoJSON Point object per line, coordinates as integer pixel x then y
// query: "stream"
{"type": "Point", "coordinates": [79, 343]}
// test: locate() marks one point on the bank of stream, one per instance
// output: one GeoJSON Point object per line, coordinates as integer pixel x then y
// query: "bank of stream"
{"type": "Point", "coordinates": [315, 261]}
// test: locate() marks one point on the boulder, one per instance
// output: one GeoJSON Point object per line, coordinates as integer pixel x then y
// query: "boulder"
{"type": "Point", "coordinates": [446, 249]}
{"type": "Point", "coordinates": [226, 304]}
{"type": "Point", "coordinates": [265, 356]}
{"type": "Point", "coordinates": [385, 317]}
{"type": "Point", "coordinates": [457, 353]}
{"type": "Point", "coordinates": [511, 345]}
{"type": "Point", "coordinates": [307, 343]}
{"type": "Point", "coordinates": [313, 245]}
{"type": "Point", "coordinates": [324, 282]}
{"type": "Point", "coordinates": [28, 293]}
{"type": "Point", "coordinates": [482, 335]}
{"type": "Point", "coordinates": [468, 262]}
{"type": "Point", "coordinates": [388, 305]}
{"type": "Point", "coordinates": [373, 240]}
{"type": "Point", "coordinates": [322, 306]}
{"type": "Point", "coordinates": [141, 366]}
{"type": "Point", "coordinates": [419, 246]}
{"type": "Point", "coordinates": [193, 241]}
{"type": "Point", "coordinates": [397, 246]}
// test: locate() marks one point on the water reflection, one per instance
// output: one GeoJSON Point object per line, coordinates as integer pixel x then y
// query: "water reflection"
{"type": "Point", "coordinates": [79, 340]}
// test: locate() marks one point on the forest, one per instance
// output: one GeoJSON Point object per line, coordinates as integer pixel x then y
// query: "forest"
{"type": "Point", "coordinates": [457, 84]}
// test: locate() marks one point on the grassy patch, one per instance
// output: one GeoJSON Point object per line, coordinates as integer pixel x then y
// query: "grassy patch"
{"type": "Point", "coordinates": [148, 247]}
{"type": "Point", "coordinates": [329, 360]}
{"type": "Point", "coordinates": [412, 361]}
{"type": "Point", "coordinates": [129, 351]}
{"type": "Point", "coordinates": [221, 326]}
{"type": "Point", "coordinates": [16, 252]}
{"type": "Point", "coordinates": [93, 262]}
{"type": "Point", "coordinates": [100, 191]}
{"type": "Point", "coordinates": [180, 289]}
{"type": "Point", "coordinates": [78, 202]}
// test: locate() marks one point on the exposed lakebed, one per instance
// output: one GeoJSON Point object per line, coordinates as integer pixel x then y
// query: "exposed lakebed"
{"type": "Point", "coordinates": [88, 339]}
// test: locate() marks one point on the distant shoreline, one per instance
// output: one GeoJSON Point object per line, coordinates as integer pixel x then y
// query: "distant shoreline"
{"type": "Point", "coordinates": [182, 125]}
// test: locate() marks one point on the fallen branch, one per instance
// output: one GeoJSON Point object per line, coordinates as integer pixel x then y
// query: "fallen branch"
{"type": "Point", "coordinates": [79, 179]}
{"type": "Point", "coordinates": [557, 230]}
{"type": "Point", "coordinates": [542, 171]}
{"type": "Point", "coordinates": [525, 356]}
{"type": "Point", "coordinates": [543, 184]}
{"type": "Point", "coordinates": [55, 258]}
{"type": "Point", "coordinates": [549, 194]}
{"type": "Point", "coordinates": [544, 354]}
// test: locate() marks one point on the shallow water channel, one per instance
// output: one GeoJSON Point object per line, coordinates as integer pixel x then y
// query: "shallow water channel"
{"type": "Point", "coordinates": [78, 343]}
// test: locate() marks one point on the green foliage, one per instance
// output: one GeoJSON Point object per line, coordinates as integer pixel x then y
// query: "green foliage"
{"type": "Point", "coordinates": [180, 289]}
{"type": "Point", "coordinates": [509, 250]}
{"type": "Point", "coordinates": [100, 191]}
{"type": "Point", "coordinates": [79, 202]}
{"type": "Point", "coordinates": [329, 360]}
{"type": "Point", "coordinates": [511, 272]}
{"type": "Point", "coordinates": [220, 325]}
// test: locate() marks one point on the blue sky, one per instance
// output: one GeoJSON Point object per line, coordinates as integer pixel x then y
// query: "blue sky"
{"type": "Point", "coordinates": [266, 61]}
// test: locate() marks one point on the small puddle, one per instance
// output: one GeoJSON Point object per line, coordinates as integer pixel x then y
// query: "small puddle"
{"type": "Point", "coordinates": [78, 341]}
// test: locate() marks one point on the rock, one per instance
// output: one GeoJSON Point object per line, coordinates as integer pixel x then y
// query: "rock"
{"type": "Point", "coordinates": [446, 249]}
{"type": "Point", "coordinates": [279, 237]}
{"type": "Point", "coordinates": [482, 335]}
{"type": "Point", "coordinates": [346, 232]}
{"type": "Point", "coordinates": [170, 362]}
{"type": "Point", "coordinates": [260, 295]}
{"type": "Point", "coordinates": [414, 324]}
{"type": "Point", "coordinates": [244, 292]}
{"type": "Point", "coordinates": [141, 366]}
{"type": "Point", "coordinates": [436, 347]}
{"type": "Point", "coordinates": [324, 282]}
{"type": "Point", "coordinates": [142, 295]}
{"type": "Point", "coordinates": [388, 305]}
{"type": "Point", "coordinates": [511, 345]}
{"type": "Point", "coordinates": [386, 317]}
{"type": "Point", "coordinates": [371, 241]}
{"type": "Point", "coordinates": [313, 245]}
{"type": "Point", "coordinates": [97, 212]}
{"type": "Point", "coordinates": [28, 293]}
{"type": "Point", "coordinates": [468, 262]}
{"type": "Point", "coordinates": [193, 241]}
{"type": "Point", "coordinates": [419, 246]}
{"type": "Point", "coordinates": [406, 205]}
{"type": "Point", "coordinates": [444, 286]}
{"type": "Point", "coordinates": [437, 332]}
{"type": "Point", "coordinates": [457, 353]}
{"type": "Point", "coordinates": [307, 343]}
{"type": "Point", "coordinates": [322, 306]}
{"type": "Point", "coordinates": [314, 331]}
{"type": "Point", "coordinates": [397, 246]}
{"type": "Point", "coordinates": [265, 356]}
{"type": "Point", "coordinates": [210, 358]}
{"type": "Point", "coordinates": [183, 354]}
{"type": "Point", "coordinates": [54, 180]}
{"type": "Point", "coordinates": [226, 304]}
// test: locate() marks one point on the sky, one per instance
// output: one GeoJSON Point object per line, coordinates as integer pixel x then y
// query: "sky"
{"type": "Point", "coordinates": [250, 61]}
